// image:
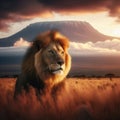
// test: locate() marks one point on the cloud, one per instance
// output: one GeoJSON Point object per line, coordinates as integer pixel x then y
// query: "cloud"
{"type": "Point", "coordinates": [76, 5]}
{"type": "Point", "coordinates": [108, 47]}
{"type": "Point", "coordinates": [84, 5]}
{"type": "Point", "coordinates": [114, 9]}
{"type": "Point", "coordinates": [21, 42]}
{"type": "Point", "coordinates": [110, 44]}
{"type": "Point", "coordinates": [18, 10]}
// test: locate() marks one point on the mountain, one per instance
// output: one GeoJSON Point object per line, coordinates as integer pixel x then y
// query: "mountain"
{"type": "Point", "coordinates": [77, 31]}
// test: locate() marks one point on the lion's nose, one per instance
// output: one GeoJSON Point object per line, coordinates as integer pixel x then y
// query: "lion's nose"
{"type": "Point", "coordinates": [60, 62]}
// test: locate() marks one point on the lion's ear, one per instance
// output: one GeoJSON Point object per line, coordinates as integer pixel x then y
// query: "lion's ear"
{"type": "Point", "coordinates": [37, 44]}
{"type": "Point", "coordinates": [40, 42]}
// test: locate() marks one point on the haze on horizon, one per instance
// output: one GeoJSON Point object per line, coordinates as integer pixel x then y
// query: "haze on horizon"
{"type": "Point", "coordinates": [102, 15]}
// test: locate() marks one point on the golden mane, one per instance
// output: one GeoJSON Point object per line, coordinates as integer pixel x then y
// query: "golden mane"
{"type": "Point", "coordinates": [51, 36]}
{"type": "Point", "coordinates": [34, 69]}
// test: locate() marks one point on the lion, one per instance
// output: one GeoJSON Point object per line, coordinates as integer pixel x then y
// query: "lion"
{"type": "Point", "coordinates": [45, 65]}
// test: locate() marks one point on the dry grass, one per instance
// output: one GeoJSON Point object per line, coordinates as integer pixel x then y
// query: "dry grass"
{"type": "Point", "coordinates": [83, 99]}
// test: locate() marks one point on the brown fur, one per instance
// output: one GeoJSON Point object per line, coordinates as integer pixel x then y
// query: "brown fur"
{"type": "Point", "coordinates": [47, 54]}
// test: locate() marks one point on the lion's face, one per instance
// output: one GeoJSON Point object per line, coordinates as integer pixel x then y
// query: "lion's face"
{"type": "Point", "coordinates": [52, 62]}
{"type": "Point", "coordinates": [54, 59]}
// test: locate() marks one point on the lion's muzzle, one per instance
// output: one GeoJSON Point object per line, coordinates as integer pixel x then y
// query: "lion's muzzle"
{"type": "Point", "coordinates": [56, 69]}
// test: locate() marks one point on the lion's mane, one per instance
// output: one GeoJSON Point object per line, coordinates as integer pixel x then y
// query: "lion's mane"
{"type": "Point", "coordinates": [33, 71]}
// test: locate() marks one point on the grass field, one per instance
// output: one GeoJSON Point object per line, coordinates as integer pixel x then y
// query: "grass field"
{"type": "Point", "coordinates": [83, 99]}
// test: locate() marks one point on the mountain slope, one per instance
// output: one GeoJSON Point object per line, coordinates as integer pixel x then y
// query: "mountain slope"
{"type": "Point", "coordinates": [75, 30]}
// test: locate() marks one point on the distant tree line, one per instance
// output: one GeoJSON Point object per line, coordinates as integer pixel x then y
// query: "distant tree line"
{"type": "Point", "coordinates": [108, 75]}
{"type": "Point", "coordinates": [8, 76]}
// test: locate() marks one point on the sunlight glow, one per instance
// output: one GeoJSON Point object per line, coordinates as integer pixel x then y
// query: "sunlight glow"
{"type": "Point", "coordinates": [116, 32]}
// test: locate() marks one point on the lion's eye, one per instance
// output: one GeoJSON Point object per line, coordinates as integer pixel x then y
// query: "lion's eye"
{"type": "Point", "coordinates": [51, 51]}
{"type": "Point", "coordinates": [62, 52]}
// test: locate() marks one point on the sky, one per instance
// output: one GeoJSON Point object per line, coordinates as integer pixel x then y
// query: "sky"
{"type": "Point", "coordinates": [104, 15]}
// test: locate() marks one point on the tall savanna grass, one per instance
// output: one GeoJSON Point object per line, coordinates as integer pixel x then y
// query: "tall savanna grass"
{"type": "Point", "coordinates": [82, 99]}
